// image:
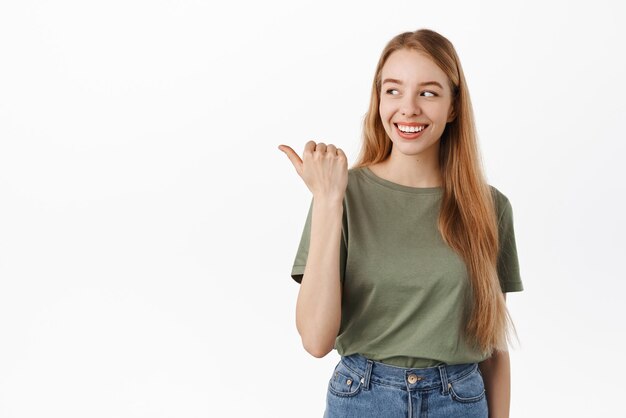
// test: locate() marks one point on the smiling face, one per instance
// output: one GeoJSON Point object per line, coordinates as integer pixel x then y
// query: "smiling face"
{"type": "Point", "coordinates": [415, 103]}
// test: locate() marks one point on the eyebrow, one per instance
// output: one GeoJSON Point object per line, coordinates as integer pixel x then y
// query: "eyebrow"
{"type": "Point", "coordinates": [425, 83]}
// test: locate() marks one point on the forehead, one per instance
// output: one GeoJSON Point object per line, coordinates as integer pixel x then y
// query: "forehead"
{"type": "Point", "coordinates": [412, 67]}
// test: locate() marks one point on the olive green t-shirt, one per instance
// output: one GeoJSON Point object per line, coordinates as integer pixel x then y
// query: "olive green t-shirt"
{"type": "Point", "coordinates": [404, 289]}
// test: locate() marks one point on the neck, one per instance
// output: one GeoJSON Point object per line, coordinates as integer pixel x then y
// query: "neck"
{"type": "Point", "coordinates": [412, 170]}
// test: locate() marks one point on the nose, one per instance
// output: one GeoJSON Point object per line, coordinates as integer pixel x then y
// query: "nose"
{"type": "Point", "coordinates": [409, 107]}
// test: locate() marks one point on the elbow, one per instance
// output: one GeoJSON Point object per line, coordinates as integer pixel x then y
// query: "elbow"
{"type": "Point", "coordinates": [318, 340]}
{"type": "Point", "coordinates": [316, 350]}
{"type": "Point", "coordinates": [316, 345]}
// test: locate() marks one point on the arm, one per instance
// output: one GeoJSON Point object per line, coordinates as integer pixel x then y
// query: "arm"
{"type": "Point", "coordinates": [496, 371]}
{"type": "Point", "coordinates": [318, 308]}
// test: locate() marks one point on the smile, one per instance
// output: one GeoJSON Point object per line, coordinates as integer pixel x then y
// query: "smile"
{"type": "Point", "coordinates": [409, 129]}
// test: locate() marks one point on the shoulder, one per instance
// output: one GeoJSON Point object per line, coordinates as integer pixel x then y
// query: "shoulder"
{"type": "Point", "coordinates": [355, 174]}
{"type": "Point", "coordinates": [354, 171]}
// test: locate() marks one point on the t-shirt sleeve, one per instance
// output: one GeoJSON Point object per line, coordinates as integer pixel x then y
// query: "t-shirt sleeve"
{"type": "Point", "coordinates": [299, 263]}
{"type": "Point", "coordinates": [508, 263]}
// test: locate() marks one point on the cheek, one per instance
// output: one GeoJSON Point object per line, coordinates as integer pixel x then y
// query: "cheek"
{"type": "Point", "coordinates": [385, 112]}
{"type": "Point", "coordinates": [445, 109]}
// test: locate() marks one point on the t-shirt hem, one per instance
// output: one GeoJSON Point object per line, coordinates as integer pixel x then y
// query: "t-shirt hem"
{"type": "Point", "coordinates": [416, 363]}
{"type": "Point", "coordinates": [513, 287]}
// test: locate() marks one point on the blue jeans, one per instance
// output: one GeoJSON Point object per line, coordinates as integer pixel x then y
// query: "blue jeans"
{"type": "Point", "coordinates": [360, 387]}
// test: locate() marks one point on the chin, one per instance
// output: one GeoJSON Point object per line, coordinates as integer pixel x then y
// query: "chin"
{"type": "Point", "coordinates": [408, 148]}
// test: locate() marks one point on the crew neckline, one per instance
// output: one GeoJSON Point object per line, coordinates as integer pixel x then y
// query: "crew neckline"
{"type": "Point", "coordinates": [400, 187]}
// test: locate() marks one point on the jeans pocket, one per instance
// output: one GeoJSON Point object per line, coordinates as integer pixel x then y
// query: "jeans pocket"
{"type": "Point", "coordinates": [469, 388]}
{"type": "Point", "coordinates": [344, 381]}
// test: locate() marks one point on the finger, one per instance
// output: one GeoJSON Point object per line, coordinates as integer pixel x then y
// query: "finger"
{"type": "Point", "coordinates": [310, 146]}
{"type": "Point", "coordinates": [341, 154]}
{"type": "Point", "coordinates": [293, 157]}
{"type": "Point", "coordinates": [331, 150]}
{"type": "Point", "coordinates": [321, 147]}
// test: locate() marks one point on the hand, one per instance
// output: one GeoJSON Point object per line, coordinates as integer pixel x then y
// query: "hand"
{"type": "Point", "coordinates": [324, 169]}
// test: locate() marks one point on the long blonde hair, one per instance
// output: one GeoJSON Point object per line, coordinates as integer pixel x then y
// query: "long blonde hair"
{"type": "Point", "coordinates": [467, 218]}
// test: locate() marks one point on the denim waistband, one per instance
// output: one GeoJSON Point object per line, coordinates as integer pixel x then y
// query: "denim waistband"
{"type": "Point", "coordinates": [402, 377]}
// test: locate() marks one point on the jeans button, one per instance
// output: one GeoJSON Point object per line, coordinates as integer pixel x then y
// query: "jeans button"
{"type": "Point", "coordinates": [414, 378]}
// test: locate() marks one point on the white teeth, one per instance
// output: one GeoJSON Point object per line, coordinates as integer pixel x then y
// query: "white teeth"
{"type": "Point", "coordinates": [410, 128]}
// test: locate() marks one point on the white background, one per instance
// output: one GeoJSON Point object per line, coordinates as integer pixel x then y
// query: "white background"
{"type": "Point", "coordinates": [148, 222]}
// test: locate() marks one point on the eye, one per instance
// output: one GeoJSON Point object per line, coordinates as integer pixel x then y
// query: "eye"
{"type": "Point", "coordinates": [433, 94]}
{"type": "Point", "coordinates": [391, 90]}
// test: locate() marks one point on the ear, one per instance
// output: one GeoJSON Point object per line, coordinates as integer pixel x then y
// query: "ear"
{"type": "Point", "coordinates": [451, 114]}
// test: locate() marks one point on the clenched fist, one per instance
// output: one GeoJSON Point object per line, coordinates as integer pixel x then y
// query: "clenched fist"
{"type": "Point", "coordinates": [324, 169]}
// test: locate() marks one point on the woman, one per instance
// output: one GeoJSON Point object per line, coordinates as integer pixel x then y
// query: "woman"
{"type": "Point", "coordinates": [405, 258]}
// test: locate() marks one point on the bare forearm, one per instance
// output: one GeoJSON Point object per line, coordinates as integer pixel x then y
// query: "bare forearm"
{"type": "Point", "coordinates": [496, 372]}
{"type": "Point", "coordinates": [318, 308]}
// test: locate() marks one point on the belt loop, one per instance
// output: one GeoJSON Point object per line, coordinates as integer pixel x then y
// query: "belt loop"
{"type": "Point", "coordinates": [444, 379]}
{"type": "Point", "coordinates": [368, 372]}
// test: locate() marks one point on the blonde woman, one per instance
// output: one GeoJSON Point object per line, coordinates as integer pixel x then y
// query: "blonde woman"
{"type": "Point", "coordinates": [406, 257]}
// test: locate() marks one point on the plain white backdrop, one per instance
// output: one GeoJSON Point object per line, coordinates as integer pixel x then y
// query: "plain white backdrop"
{"type": "Point", "coordinates": [148, 222]}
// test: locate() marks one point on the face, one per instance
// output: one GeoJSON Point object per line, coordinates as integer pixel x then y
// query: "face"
{"type": "Point", "coordinates": [415, 103]}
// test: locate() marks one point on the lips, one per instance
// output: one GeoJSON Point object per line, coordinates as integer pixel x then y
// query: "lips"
{"type": "Point", "coordinates": [410, 135]}
{"type": "Point", "coordinates": [411, 124]}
